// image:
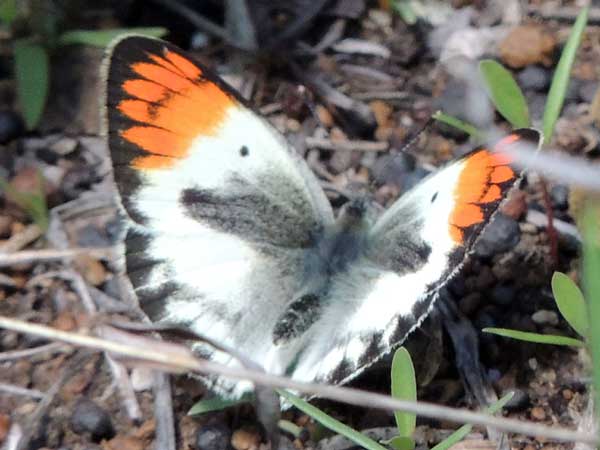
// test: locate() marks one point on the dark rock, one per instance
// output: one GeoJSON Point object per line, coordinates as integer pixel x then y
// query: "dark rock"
{"type": "Point", "coordinates": [469, 303]}
{"type": "Point", "coordinates": [11, 126]}
{"type": "Point", "coordinates": [457, 286]}
{"type": "Point", "coordinates": [46, 155]}
{"type": "Point", "coordinates": [213, 436]}
{"type": "Point", "coordinates": [572, 94]}
{"type": "Point", "coordinates": [88, 417]}
{"type": "Point", "coordinates": [560, 197]}
{"type": "Point", "coordinates": [536, 103]}
{"type": "Point", "coordinates": [502, 234]}
{"type": "Point", "coordinates": [587, 91]}
{"type": "Point", "coordinates": [534, 78]}
{"type": "Point", "coordinates": [503, 294]}
{"type": "Point", "coordinates": [519, 402]}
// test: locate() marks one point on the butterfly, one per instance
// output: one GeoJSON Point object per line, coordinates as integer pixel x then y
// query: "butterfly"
{"type": "Point", "coordinates": [230, 235]}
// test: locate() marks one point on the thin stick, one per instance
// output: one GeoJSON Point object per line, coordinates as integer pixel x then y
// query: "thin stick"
{"type": "Point", "coordinates": [20, 240]}
{"type": "Point", "coordinates": [53, 347]}
{"type": "Point", "coordinates": [47, 255]}
{"type": "Point", "coordinates": [18, 390]}
{"type": "Point", "coordinates": [123, 384]}
{"type": "Point", "coordinates": [163, 411]}
{"type": "Point", "coordinates": [361, 146]}
{"type": "Point", "coordinates": [183, 360]}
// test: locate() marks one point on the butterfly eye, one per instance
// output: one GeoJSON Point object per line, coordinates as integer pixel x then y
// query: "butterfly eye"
{"type": "Point", "coordinates": [433, 197]}
{"type": "Point", "coordinates": [244, 151]}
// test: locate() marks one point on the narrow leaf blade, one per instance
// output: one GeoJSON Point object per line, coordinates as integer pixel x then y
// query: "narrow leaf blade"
{"type": "Point", "coordinates": [570, 302]}
{"type": "Point", "coordinates": [456, 123]}
{"type": "Point", "coordinates": [505, 93]}
{"type": "Point", "coordinates": [591, 283]}
{"type": "Point", "coordinates": [31, 74]}
{"type": "Point", "coordinates": [101, 38]}
{"type": "Point", "coordinates": [535, 337]}
{"type": "Point", "coordinates": [562, 74]}
{"type": "Point", "coordinates": [404, 386]}
{"type": "Point", "coordinates": [331, 423]}
{"type": "Point", "coordinates": [211, 404]}
{"type": "Point", "coordinates": [463, 431]}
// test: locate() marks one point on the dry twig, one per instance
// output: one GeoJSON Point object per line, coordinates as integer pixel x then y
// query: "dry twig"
{"type": "Point", "coordinates": [181, 359]}
{"type": "Point", "coordinates": [361, 146]}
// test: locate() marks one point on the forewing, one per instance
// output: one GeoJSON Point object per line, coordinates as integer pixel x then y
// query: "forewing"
{"type": "Point", "coordinates": [413, 249]}
{"type": "Point", "coordinates": [222, 209]}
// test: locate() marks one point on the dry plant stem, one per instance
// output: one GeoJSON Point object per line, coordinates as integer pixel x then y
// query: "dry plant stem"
{"type": "Point", "coordinates": [163, 411]}
{"type": "Point", "coordinates": [14, 436]}
{"type": "Point", "coordinates": [47, 255]}
{"type": "Point", "coordinates": [54, 347]}
{"type": "Point", "coordinates": [20, 240]}
{"type": "Point", "coordinates": [35, 419]}
{"type": "Point", "coordinates": [183, 360]}
{"type": "Point", "coordinates": [123, 383]}
{"type": "Point", "coordinates": [361, 146]}
{"type": "Point", "coordinates": [11, 389]}
{"type": "Point", "coordinates": [552, 235]}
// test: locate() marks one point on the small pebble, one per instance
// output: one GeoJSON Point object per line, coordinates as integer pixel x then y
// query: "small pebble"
{"type": "Point", "coordinates": [142, 379]}
{"type": "Point", "coordinates": [245, 439]}
{"type": "Point", "coordinates": [538, 413]}
{"type": "Point", "coordinates": [215, 436]}
{"type": "Point", "coordinates": [560, 196]}
{"type": "Point", "coordinates": [519, 401]}
{"type": "Point", "coordinates": [11, 126]}
{"type": "Point", "coordinates": [124, 443]}
{"type": "Point", "coordinates": [64, 146]}
{"type": "Point", "coordinates": [503, 294]}
{"type": "Point", "coordinates": [567, 394]}
{"type": "Point", "coordinates": [88, 417]}
{"type": "Point", "coordinates": [501, 235]}
{"type": "Point", "coordinates": [525, 45]}
{"type": "Point", "coordinates": [545, 317]}
{"type": "Point", "coordinates": [534, 78]}
{"type": "Point", "coordinates": [469, 304]}
{"type": "Point", "coordinates": [587, 91]}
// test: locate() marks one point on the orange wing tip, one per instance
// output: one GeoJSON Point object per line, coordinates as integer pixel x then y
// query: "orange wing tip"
{"type": "Point", "coordinates": [170, 105]}
{"type": "Point", "coordinates": [480, 183]}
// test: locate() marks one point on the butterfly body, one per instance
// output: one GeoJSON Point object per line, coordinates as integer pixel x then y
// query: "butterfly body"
{"type": "Point", "coordinates": [231, 235]}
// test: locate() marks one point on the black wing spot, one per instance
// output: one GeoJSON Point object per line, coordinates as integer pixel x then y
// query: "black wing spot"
{"type": "Point", "coordinates": [244, 151]}
{"type": "Point", "coordinates": [433, 197]}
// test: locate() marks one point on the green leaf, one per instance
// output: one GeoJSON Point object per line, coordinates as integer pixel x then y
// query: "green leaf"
{"type": "Point", "coordinates": [400, 443]}
{"type": "Point", "coordinates": [330, 422]}
{"type": "Point", "coordinates": [505, 93]}
{"type": "Point", "coordinates": [570, 302]}
{"type": "Point", "coordinates": [463, 431]}
{"type": "Point", "coordinates": [562, 74]}
{"type": "Point", "coordinates": [290, 427]}
{"type": "Point", "coordinates": [405, 10]}
{"type": "Point", "coordinates": [31, 74]}
{"type": "Point", "coordinates": [8, 11]}
{"type": "Point", "coordinates": [101, 38]}
{"type": "Point", "coordinates": [591, 284]}
{"type": "Point", "coordinates": [535, 337]}
{"type": "Point", "coordinates": [404, 387]}
{"type": "Point", "coordinates": [212, 404]}
{"type": "Point", "coordinates": [457, 123]}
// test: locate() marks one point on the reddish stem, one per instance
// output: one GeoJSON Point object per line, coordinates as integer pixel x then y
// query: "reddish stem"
{"type": "Point", "coordinates": [552, 235]}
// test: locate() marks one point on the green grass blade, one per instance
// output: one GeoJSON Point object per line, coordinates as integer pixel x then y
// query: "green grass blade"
{"type": "Point", "coordinates": [404, 387]}
{"type": "Point", "coordinates": [570, 302]}
{"type": "Point", "coordinates": [463, 431]}
{"type": "Point", "coordinates": [33, 203]}
{"type": "Point", "coordinates": [31, 74]}
{"type": "Point", "coordinates": [405, 10]}
{"type": "Point", "coordinates": [331, 423]}
{"type": "Point", "coordinates": [212, 404]}
{"type": "Point", "coordinates": [505, 93]}
{"type": "Point", "coordinates": [535, 337]}
{"type": "Point", "coordinates": [101, 38]}
{"type": "Point", "coordinates": [8, 11]}
{"type": "Point", "coordinates": [562, 74]}
{"type": "Point", "coordinates": [400, 443]}
{"type": "Point", "coordinates": [457, 123]}
{"type": "Point", "coordinates": [591, 283]}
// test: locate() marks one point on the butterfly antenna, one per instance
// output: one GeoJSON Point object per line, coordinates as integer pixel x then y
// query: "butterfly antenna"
{"type": "Point", "coordinates": [405, 148]}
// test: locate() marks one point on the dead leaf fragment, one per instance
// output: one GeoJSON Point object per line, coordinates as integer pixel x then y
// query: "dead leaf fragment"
{"type": "Point", "coordinates": [525, 45]}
